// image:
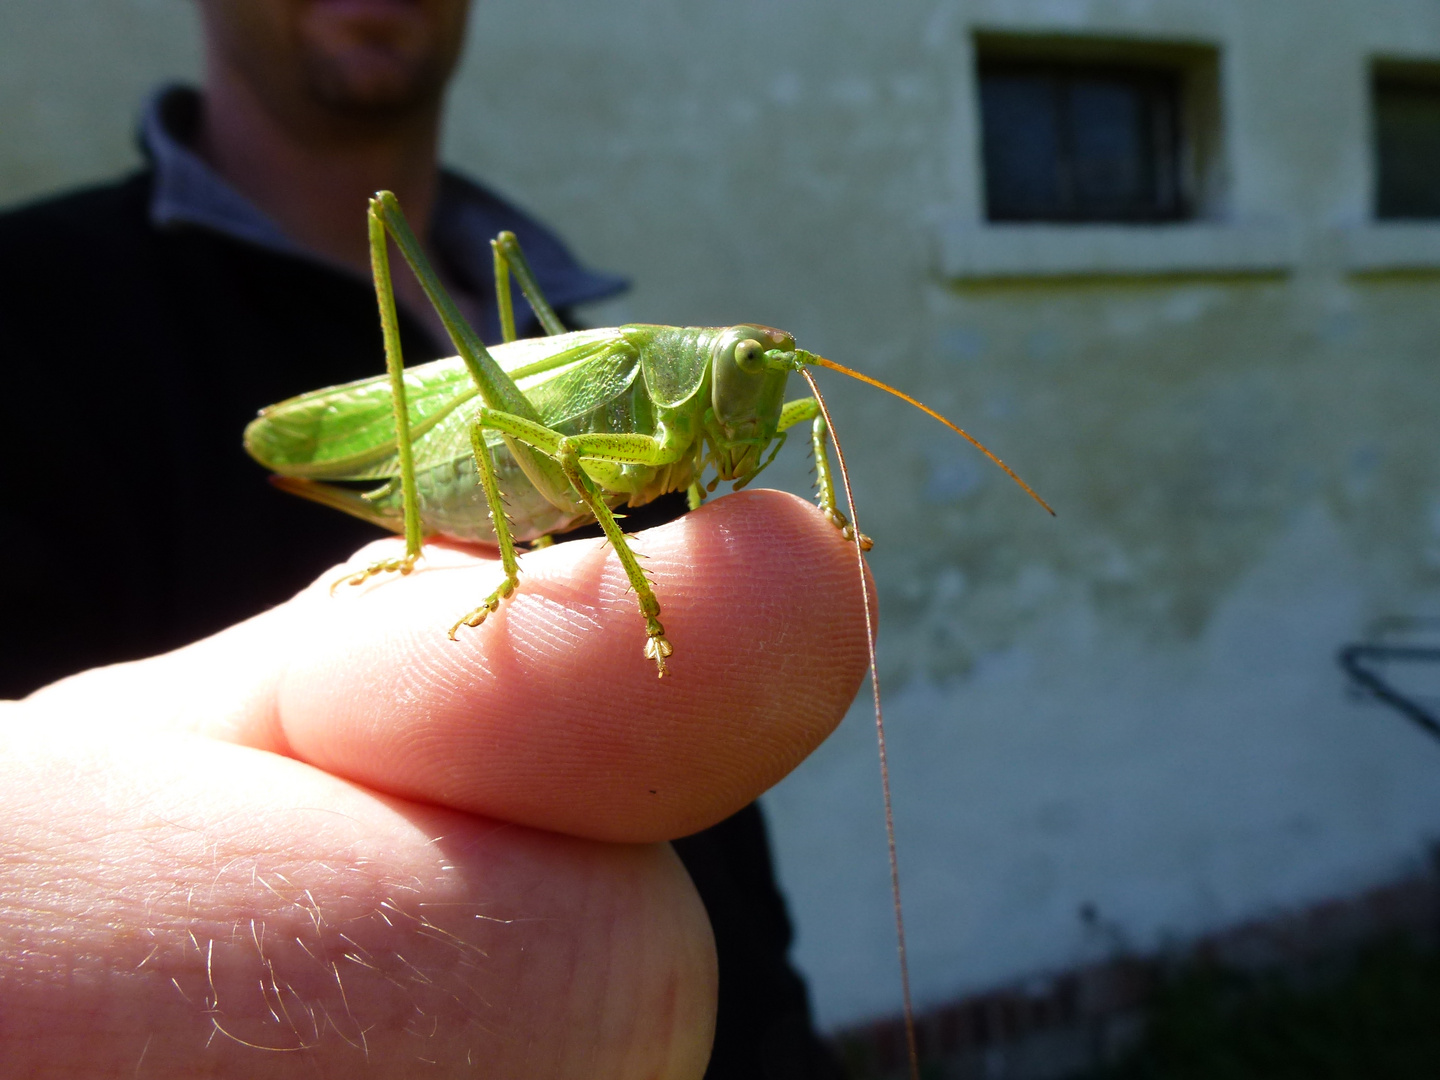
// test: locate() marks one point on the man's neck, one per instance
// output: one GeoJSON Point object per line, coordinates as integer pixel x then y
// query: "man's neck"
{"type": "Point", "coordinates": [315, 183]}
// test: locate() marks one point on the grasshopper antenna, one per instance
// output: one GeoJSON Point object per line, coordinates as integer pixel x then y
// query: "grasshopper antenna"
{"type": "Point", "coordinates": [811, 358]}
{"type": "Point", "coordinates": [880, 718]}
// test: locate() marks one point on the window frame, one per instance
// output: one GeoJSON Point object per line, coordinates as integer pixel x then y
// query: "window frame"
{"type": "Point", "coordinates": [1160, 92]}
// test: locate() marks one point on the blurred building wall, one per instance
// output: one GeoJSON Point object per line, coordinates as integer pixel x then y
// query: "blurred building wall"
{"type": "Point", "coordinates": [1132, 709]}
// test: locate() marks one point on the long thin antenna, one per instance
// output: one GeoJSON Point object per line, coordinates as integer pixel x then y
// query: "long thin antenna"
{"type": "Point", "coordinates": [879, 733]}
{"type": "Point", "coordinates": [833, 366]}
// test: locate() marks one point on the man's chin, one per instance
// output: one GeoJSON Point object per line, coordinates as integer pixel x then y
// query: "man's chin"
{"type": "Point", "coordinates": [366, 16]}
{"type": "Point", "coordinates": [377, 84]}
{"type": "Point", "coordinates": [370, 54]}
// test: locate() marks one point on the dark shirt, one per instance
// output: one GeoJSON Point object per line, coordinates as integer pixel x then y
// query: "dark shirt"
{"type": "Point", "coordinates": [142, 325]}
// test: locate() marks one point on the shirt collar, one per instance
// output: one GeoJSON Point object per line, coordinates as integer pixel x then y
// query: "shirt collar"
{"type": "Point", "coordinates": [188, 192]}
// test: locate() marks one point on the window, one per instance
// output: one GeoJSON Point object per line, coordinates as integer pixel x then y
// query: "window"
{"type": "Point", "coordinates": [1081, 142]}
{"type": "Point", "coordinates": [1407, 146]}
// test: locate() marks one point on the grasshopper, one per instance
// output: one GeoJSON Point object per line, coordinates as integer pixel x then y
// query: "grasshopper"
{"type": "Point", "coordinates": [569, 426]}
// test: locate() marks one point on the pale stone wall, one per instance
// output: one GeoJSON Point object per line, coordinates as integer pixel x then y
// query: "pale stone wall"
{"type": "Point", "coordinates": [72, 77]}
{"type": "Point", "coordinates": [1134, 705]}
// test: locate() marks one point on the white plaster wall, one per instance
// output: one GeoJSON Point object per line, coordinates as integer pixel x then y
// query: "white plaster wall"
{"type": "Point", "coordinates": [1134, 705]}
{"type": "Point", "coordinates": [1174, 791]}
{"type": "Point", "coordinates": [72, 76]}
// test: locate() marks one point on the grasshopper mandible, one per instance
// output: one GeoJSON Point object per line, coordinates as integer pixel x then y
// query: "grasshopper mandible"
{"type": "Point", "coordinates": [569, 426]}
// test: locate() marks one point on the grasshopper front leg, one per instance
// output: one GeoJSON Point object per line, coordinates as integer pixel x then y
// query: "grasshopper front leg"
{"type": "Point", "coordinates": [802, 409]}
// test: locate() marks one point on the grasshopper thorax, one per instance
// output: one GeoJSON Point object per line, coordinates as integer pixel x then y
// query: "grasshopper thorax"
{"type": "Point", "coordinates": [747, 392]}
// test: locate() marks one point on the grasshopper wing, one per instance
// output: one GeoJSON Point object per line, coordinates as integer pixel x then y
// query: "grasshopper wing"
{"type": "Point", "coordinates": [348, 432]}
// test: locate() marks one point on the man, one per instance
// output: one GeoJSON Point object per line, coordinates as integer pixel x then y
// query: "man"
{"type": "Point", "coordinates": [145, 322]}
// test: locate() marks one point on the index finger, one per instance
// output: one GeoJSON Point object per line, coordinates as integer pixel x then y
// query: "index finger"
{"type": "Point", "coordinates": [549, 715]}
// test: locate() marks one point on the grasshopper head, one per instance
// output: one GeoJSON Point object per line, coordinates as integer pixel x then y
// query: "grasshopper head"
{"type": "Point", "coordinates": [750, 365]}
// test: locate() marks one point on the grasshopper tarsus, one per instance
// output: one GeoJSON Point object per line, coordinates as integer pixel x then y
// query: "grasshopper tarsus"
{"type": "Point", "coordinates": [401, 566]}
{"type": "Point", "coordinates": [490, 606]}
{"type": "Point", "coordinates": [657, 649]}
{"type": "Point", "coordinates": [657, 646]}
{"type": "Point", "coordinates": [841, 522]}
{"type": "Point", "coordinates": [474, 618]}
{"type": "Point", "coordinates": [858, 538]}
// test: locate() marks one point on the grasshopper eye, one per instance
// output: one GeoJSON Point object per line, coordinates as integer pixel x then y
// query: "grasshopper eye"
{"type": "Point", "coordinates": [749, 356]}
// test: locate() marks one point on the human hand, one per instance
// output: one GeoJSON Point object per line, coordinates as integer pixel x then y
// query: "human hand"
{"type": "Point", "coordinates": [330, 841]}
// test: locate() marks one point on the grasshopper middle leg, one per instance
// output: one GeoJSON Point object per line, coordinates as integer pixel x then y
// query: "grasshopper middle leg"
{"type": "Point", "coordinates": [598, 449]}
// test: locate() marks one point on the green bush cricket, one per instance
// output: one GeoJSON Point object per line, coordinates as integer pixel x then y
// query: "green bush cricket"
{"type": "Point", "coordinates": [568, 426]}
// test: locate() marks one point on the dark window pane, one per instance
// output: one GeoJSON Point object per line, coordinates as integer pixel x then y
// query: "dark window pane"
{"type": "Point", "coordinates": [1111, 160]}
{"type": "Point", "coordinates": [1021, 146]}
{"type": "Point", "coordinates": [1407, 138]}
{"type": "Point", "coordinates": [1067, 143]}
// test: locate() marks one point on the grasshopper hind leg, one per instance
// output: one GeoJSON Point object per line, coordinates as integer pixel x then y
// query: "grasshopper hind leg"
{"type": "Point", "coordinates": [395, 367]}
